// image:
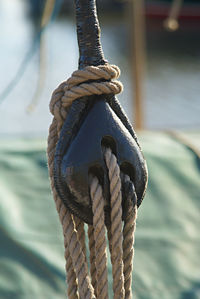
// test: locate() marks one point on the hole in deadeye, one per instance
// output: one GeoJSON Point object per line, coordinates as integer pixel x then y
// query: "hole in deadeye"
{"type": "Point", "coordinates": [127, 168]}
{"type": "Point", "coordinates": [109, 142]}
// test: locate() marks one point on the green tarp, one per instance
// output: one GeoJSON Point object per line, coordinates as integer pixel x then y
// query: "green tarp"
{"type": "Point", "coordinates": [167, 248]}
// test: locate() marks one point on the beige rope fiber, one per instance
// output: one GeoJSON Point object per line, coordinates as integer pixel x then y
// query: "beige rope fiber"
{"type": "Point", "coordinates": [92, 257]}
{"type": "Point", "coordinates": [128, 240]}
{"type": "Point", "coordinates": [99, 239]}
{"type": "Point", "coordinates": [116, 224]}
{"type": "Point", "coordinates": [83, 284]}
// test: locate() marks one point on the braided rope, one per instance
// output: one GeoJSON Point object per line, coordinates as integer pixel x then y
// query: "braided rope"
{"type": "Point", "coordinates": [79, 283]}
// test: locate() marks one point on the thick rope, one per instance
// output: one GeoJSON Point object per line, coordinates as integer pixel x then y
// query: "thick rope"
{"type": "Point", "coordinates": [84, 285]}
{"type": "Point", "coordinates": [128, 236]}
{"type": "Point", "coordinates": [116, 224]}
{"type": "Point", "coordinates": [73, 248]}
{"type": "Point", "coordinates": [81, 233]}
{"type": "Point", "coordinates": [79, 283]}
{"type": "Point", "coordinates": [72, 289]}
{"type": "Point", "coordinates": [71, 277]}
{"type": "Point", "coordinates": [99, 238]}
{"type": "Point", "coordinates": [92, 257]}
{"type": "Point", "coordinates": [75, 87]}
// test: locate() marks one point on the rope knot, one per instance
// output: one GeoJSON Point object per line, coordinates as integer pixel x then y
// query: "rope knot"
{"type": "Point", "coordinates": [92, 80]}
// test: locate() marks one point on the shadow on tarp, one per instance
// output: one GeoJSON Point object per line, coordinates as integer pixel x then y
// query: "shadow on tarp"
{"type": "Point", "coordinates": [166, 263]}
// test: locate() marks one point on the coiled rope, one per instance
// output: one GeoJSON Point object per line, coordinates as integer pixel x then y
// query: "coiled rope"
{"type": "Point", "coordinates": [81, 283]}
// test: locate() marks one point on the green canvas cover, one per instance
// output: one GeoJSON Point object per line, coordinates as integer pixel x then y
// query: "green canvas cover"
{"type": "Point", "coordinates": [167, 246]}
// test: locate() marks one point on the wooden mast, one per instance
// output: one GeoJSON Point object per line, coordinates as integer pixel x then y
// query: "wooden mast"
{"type": "Point", "coordinates": [138, 59]}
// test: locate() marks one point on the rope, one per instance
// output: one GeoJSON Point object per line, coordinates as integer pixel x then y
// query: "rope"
{"type": "Point", "coordinates": [92, 257]}
{"type": "Point", "coordinates": [78, 259]}
{"type": "Point", "coordinates": [71, 277]}
{"type": "Point", "coordinates": [116, 224]}
{"type": "Point", "coordinates": [81, 232]}
{"type": "Point", "coordinates": [80, 285]}
{"type": "Point", "coordinates": [99, 238]}
{"type": "Point", "coordinates": [128, 235]}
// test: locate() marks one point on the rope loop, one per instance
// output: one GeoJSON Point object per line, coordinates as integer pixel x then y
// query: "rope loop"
{"type": "Point", "coordinates": [92, 80]}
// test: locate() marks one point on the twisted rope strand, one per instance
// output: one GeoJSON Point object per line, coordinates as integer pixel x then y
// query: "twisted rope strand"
{"type": "Point", "coordinates": [92, 257]}
{"type": "Point", "coordinates": [116, 224]}
{"type": "Point", "coordinates": [72, 283]}
{"type": "Point", "coordinates": [128, 236]}
{"type": "Point", "coordinates": [71, 276]}
{"type": "Point", "coordinates": [87, 89]}
{"type": "Point", "coordinates": [79, 224]}
{"type": "Point", "coordinates": [71, 240]}
{"type": "Point", "coordinates": [99, 237]}
{"type": "Point", "coordinates": [85, 288]}
{"type": "Point", "coordinates": [74, 88]}
{"type": "Point", "coordinates": [105, 72]}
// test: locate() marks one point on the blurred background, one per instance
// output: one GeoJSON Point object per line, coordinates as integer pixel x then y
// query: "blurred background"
{"type": "Point", "coordinates": [169, 80]}
{"type": "Point", "coordinates": [156, 44]}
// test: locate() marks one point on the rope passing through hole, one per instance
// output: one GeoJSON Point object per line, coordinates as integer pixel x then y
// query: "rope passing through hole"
{"type": "Point", "coordinates": [81, 282]}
